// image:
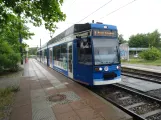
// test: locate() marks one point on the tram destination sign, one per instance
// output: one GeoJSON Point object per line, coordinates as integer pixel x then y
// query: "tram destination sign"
{"type": "Point", "coordinates": [109, 33]}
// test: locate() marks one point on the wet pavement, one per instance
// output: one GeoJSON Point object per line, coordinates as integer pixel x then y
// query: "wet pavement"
{"type": "Point", "coordinates": [47, 95]}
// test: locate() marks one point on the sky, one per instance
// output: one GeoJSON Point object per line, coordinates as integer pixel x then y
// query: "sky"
{"type": "Point", "coordinates": [141, 16]}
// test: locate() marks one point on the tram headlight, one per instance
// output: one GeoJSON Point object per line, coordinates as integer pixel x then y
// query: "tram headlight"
{"type": "Point", "coordinates": [96, 69]}
{"type": "Point", "coordinates": [100, 69]}
{"type": "Point", "coordinates": [118, 67]}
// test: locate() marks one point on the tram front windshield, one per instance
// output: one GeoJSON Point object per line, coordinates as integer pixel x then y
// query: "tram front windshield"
{"type": "Point", "coordinates": [105, 51]}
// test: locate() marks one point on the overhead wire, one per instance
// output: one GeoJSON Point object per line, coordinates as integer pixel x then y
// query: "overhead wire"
{"type": "Point", "coordinates": [73, 3]}
{"type": "Point", "coordinates": [117, 9]}
{"type": "Point", "coordinates": [94, 11]}
{"type": "Point", "coordinates": [102, 7]}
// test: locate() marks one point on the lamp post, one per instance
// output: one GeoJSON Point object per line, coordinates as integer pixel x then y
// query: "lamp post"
{"type": "Point", "coordinates": [51, 34]}
{"type": "Point", "coordinates": [20, 40]}
{"type": "Point", "coordinates": [48, 58]}
{"type": "Point", "coordinates": [40, 50]}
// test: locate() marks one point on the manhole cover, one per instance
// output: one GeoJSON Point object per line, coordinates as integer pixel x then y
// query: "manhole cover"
{"type": "Point", "coordinates": [57, 97]}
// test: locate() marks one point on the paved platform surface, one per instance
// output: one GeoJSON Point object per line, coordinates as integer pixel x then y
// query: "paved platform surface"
{"type": "Point", "coordinates": [141, 85]}
{"type": "Point", "coordinates": [143, 67]}
{"type": "Point", "coordinates": [47, 95]}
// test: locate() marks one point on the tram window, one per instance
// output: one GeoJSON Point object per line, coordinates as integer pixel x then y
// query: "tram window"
{"type": "Point", "coordinates": [54, 53]}
{"type": "Point", "coordinates": [84, 52]}
{"type": "Point", "coordinates": [63, 55]}
{"type": "Point", "coordinates": [45, 54]}
{"type": "Point", "coordinates": [58, 53]}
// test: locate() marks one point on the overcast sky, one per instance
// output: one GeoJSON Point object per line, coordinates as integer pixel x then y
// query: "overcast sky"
{"type": "Point", "coordinates": [141, 16]}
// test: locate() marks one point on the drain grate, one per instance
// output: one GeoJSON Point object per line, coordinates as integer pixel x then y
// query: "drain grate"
{"type": "Point", "coordinates": [62, 98]}
{"type": "Point", "coordinates": [57, 98]}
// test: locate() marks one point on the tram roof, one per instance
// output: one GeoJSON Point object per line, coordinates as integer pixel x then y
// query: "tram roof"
{"type": "Point", "coordinates": [80, 28]}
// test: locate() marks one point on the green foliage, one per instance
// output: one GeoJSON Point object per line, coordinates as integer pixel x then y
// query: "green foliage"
{"type": "Point", "coordinates": [6, 100]}
{"type": "Point", "coordinates": [33, 11]}
{"type": "Point", "coordinates": [121, 39]}
{"type": "Point", "coordinates": [154, 39]}
{"type": "Point", "coordinates": [8, 58]}
{"type": "Point", "coordinates": [13, 60]}
{"type": "Point", "coordinates": [33, 51]}
{"type": "Point", "coordinates": [9, 43]}
{"type": "Point", "coordinates": [8, 90]}
{"type": "Point", "coordinates": [139, 40]}
{"type": "Point", "coordinates": [145, 40]}
{"type": "Point", "coordinates": [151, 54]}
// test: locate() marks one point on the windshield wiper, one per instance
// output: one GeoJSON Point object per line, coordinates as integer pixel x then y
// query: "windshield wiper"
{"type": "Point", "coordinates": [100, 60]}
{"type": "Point", "coordinates": [115, 59]}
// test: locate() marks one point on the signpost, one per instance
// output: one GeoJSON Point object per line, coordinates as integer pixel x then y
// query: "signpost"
{"type": "Point", "coordinates": [124, 51]}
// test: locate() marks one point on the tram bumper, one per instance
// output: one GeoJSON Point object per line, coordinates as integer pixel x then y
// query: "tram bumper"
{"type": "Point", "coordinates": [105, 82]}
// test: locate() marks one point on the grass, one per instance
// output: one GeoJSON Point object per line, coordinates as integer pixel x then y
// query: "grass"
{"type": "Point", "coordinates": [6, 100]}
{"type": "Point", "coordinates": [144, 62]}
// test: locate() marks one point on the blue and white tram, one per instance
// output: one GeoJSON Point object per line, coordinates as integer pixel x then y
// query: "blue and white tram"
{"type": "Point", "coordinates": [87, 53]}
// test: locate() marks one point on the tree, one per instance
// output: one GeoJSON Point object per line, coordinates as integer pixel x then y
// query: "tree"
{"type": "Point", "coordinates": [32, 51]}
{"type": "Point", "coordinates": [8, 58]}
{"type": "Point", "coordinates": [10, 33]}
{"type": "Point", "coordinates": [138, 40]}
{"type": "Point", "coordinates": [146, 40]}
{"type": "Point", "coordinates": [154, 39]}
{"type": "Point", "coordinates": [121, 39]}
{"type": "Point", "coordinates": [9, 44]}
{"type": "Point", "coordinates": [13, 16]}
{"type": "Point", "coordinates": [34, 11]}
{"type": "Point", "coordinates": [151, 54]}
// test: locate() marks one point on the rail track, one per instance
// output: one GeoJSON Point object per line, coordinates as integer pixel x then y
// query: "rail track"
{"type": "Point", "coordinates": [142, 74]}
{"type": "Point", "coordinates": [139, 105]}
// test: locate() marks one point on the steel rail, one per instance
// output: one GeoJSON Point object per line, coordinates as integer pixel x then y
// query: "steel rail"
{"type": "Point", "coordinates": [140, 77]}
{"type": "Point", "coordinates": [136, 92]}
{"type": "Point", "coordinates": [142, 74]}
{"type": "Point", "coordinates": [131, 113]}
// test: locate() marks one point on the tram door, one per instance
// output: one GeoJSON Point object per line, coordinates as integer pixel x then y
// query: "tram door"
{"type": "Point", "coordinates": [70, 60]}
{"type": "Point", "coordinates": [51, 57]}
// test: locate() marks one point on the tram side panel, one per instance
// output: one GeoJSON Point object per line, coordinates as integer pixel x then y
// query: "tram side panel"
{"type": "Point", "coordinates": [82, 64]}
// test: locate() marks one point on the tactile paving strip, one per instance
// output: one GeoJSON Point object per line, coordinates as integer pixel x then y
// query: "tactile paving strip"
{"type": "Point", "coordinates": [41, 109]}
{"type": "Point", "coordinates": [70, 97]}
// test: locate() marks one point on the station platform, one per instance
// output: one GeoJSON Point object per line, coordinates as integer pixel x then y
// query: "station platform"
{"type": "Point", "coordinates": [47, 95]}
{"type": "Point", "coordinates": [141, 85]}
{"type": "Point", "coordinates": [151, 68]}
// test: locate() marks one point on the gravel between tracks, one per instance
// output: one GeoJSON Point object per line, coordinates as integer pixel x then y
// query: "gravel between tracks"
{"type": "Point", "coordinates": [126, 99]}
{"type": "Point", "coordinates": [142, 109]}
{"type": "Point", "coordinates": [129, 101]}
{"type": "Point", "coordinates": [154, 117]}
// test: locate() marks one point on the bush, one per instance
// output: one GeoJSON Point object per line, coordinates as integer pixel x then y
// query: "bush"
{"type": "Point", "coordinates": [151, 54]}
{"type": "Point", "coordinates": [8, 58]}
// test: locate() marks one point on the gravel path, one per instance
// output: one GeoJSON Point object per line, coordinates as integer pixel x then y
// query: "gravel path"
{"type": "Point", "coordinates": [11, 79]}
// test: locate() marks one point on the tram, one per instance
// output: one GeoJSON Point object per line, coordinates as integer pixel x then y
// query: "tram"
{"type": "Point", "coordinates": [88, 53]}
